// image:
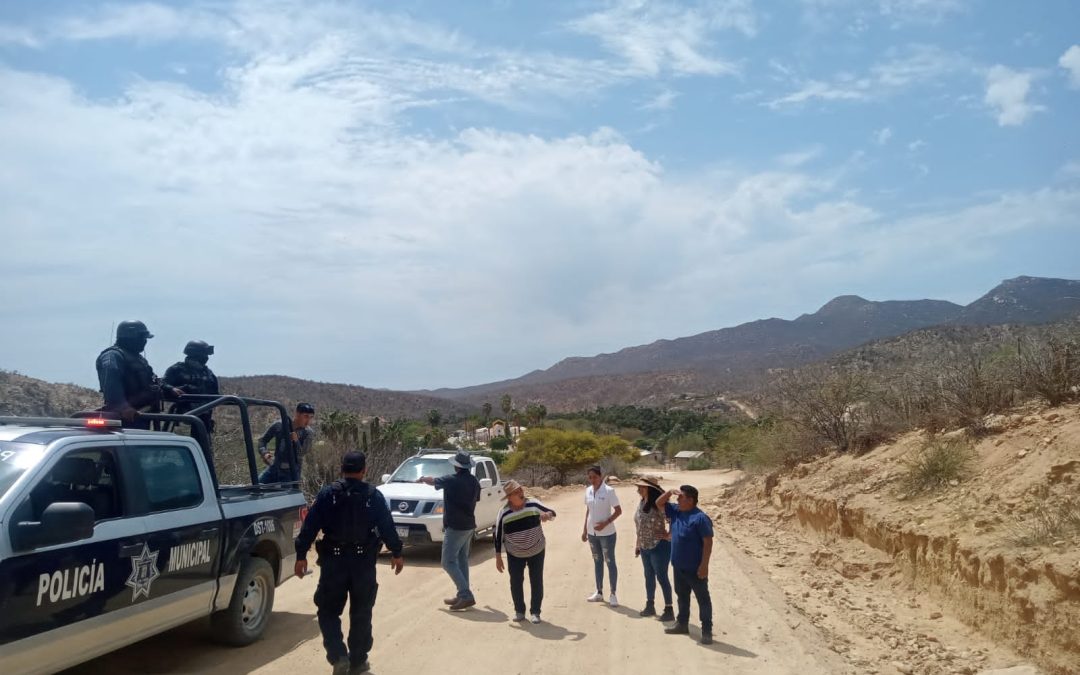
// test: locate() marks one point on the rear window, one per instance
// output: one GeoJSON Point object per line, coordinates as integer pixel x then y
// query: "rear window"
{"type": "Point", "coordinates": [170, 476]}
{"type": "Point", "coordinates": [15, 460]}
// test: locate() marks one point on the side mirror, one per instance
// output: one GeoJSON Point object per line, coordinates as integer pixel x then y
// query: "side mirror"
{"type": "Point", "coordinates": [485, 483]}
{"type": "Point", "coordinates": [386, 478]}
{"type": "Point", "coordinates": [61, 523]}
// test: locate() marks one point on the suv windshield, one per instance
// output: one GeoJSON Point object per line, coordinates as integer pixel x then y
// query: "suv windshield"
{"type": "Point", "coordinates": [15, 459]}
{"type": "Point", "coordinates": [417, 467]}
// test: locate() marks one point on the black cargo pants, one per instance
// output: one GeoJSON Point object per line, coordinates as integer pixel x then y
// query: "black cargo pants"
{"type": "Point", "coordinates": [349, 575]}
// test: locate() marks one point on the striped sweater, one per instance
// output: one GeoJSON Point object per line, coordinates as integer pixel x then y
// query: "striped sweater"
{"type": "Point", "coordinates": [521, 529]}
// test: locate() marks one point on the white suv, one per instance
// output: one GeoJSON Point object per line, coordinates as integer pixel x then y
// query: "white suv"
{"type": "Point", "coordinates": [418, 508]}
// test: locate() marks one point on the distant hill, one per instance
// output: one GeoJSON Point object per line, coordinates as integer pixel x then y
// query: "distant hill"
{"type": "Point", "coordinates": [22, 395]}
{"type": "Point", "coordinates": [1024, 300]}
{"type": "Point", "coordinates": [328, 396]}
{"type": "Point", "coordinates": [732, 359]}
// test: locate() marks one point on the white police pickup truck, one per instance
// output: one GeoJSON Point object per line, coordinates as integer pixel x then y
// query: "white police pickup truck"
{"type": "Point", "coordinates": [110, 535]}
{"type": "Point", "coordinates": [417, 508]}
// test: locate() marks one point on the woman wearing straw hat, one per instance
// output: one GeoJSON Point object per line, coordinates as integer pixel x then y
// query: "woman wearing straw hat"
{"type": "Point", "coordinates": [653, 546]}
{"type": "Point", "coordinates": [519, 527]}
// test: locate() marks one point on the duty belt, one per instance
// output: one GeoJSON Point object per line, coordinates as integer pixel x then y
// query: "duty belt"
{"type": "Point", "coordinates": [336, 548]}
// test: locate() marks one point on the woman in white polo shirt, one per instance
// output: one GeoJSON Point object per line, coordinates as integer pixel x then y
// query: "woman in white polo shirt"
{"type": "Point", "coordinates": [601, 509]}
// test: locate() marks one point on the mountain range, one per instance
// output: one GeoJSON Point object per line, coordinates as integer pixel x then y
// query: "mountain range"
{"type": "Point", "coordinates": [728, 360]}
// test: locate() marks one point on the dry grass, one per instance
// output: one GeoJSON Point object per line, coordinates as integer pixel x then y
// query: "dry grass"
{"type": "Point", "coordinates": [1048, 524]}
{"type": "Point", "coordinates": [937, 464]}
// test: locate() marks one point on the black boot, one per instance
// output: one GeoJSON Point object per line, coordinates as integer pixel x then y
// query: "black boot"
{"type": "Point", "coordinates": [668, 615]}
{"type": "Point", "coordinates": [650, 610]}
{"type": "Point", "coordinates": [678, 629]}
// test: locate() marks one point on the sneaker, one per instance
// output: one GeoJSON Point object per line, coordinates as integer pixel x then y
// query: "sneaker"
{"type": "Point", "coordinates": [678, 629]}
{"type": "Point", "coordinates": [519, 616]}
{"type": "Point", "coordinates": [595, 597]}
{"type": "Point", "coordinates": [668, 616]}
{"type": "Point", "coordinates": [706, 637]}
{"type": "Point", "coordinates": [613, 601]}
{"type": "Point", "coordinates": [649, 610]}
{"type": "Point", "coordinates": [462, 604]}
{"type": "Point", "coordinates": [535, 618]}
{"type": "Point", "coordinates": [341, 666]}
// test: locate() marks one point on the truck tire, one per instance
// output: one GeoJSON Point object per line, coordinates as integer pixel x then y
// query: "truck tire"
{"type": "Point", "coordinates": [248, 613]}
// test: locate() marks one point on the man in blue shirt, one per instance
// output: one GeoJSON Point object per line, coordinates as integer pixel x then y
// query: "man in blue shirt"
{"type": "Point", "coordinates": [691, 547]}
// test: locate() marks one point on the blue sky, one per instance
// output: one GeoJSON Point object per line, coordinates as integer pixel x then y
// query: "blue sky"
{"type": "Point", "coordinates": [424, 194]}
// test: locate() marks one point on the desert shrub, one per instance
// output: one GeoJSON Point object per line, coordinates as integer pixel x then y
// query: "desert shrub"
{"type": "Point", "coordinates": [830, 404]}
{"type": "Point", "coordinates": [973, 385]}
{"type": "Point", "coordinates": [564, 453]}
{"type": "Point", "coordinates": [1049, 523]}
{"type": "Point", "coordinates": [936, 464]}
{"type": "Point", "coordinates": [500, 443]}
{"type": "Point", "coordinates": [498, 457]}
{"type": "Point", "coordinates": [699, 464]}
{"type": "Point", "coordinates": [1050, 368]}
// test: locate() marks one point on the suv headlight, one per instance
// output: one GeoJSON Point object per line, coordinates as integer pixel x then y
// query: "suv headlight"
{"type": "Point", "coordinates": [438, 510]}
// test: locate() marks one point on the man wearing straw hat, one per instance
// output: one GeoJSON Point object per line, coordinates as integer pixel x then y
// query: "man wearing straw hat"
{"type": "Point", "coordinates": [519, 527]}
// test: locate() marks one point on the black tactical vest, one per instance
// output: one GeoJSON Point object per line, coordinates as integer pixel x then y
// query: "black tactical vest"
{"type": "Point", "coordinates": [352, 521]}
{"type": "Point", "coordinates": [138, 375]}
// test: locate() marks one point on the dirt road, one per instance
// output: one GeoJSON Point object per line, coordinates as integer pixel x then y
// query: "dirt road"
{"type": "Point", "coordinates": [755, 630]}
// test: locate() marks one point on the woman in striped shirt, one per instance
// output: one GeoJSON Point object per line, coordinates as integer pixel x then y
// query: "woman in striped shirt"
{"type": "Point", "coordinates": [519, 527]}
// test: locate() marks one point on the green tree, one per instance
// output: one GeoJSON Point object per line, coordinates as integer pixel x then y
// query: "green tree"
{"type": "Point", "coordinates": [565, 452]}
{"type": "Point", "coordinates": [487, 413]}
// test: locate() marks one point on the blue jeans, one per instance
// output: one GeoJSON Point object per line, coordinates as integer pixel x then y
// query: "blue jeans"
{"type": "Point", "coordinates": [656, 560]}
{"type": "Point", "coordinates": [603, 550]}
{"type": "Point", "coordinates": [455, 559]}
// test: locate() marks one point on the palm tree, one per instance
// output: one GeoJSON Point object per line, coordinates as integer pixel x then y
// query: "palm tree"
{"type": "Point", "coordinates": [434, 417]}
{"type": "Point", "coordinates": [541, 411]}
{"type": "Point", "coordinates": [487, 413]}
{"type": "Point", "coordinates": [507, 405]}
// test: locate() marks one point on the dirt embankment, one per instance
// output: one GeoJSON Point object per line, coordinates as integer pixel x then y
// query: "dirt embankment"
{"type": "Point", "coordinates": [994, 551]}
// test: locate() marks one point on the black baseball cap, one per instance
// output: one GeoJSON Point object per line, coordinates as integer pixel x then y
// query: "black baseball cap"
{"type": "Point", "coordinates": [353, 462]}
{"type": "Point", "coordinates": [305, 408]}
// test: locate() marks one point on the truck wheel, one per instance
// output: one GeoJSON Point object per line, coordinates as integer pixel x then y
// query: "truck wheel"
{"type": "Point", "coordinates": [245, 619]}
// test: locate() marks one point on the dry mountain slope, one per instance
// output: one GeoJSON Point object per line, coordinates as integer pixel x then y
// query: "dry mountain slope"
{"type": "Point", "coordinates": [729, 357]}
{"type": "Point", "coordinates": [22, 395]}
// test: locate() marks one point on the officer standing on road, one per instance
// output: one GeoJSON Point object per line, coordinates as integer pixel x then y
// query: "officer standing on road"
{"type": "Point", "coordinates": [193, 376]}
{"type": "Point", "coordinates": [125, 378]}
{"type": "Point", "coordinates": [355, 522]}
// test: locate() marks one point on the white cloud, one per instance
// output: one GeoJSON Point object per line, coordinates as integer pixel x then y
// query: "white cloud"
{"type": "Point", "coordinates": [1006, 92]}
{"type": "Point", "coordinates": [656, 35]}
{"type": "Point", "coordinates": [662, 101]}
{"type": "Point", "coordinates": [798, 158]}
{"type": "Point", "coordinates": [1070, 61]}
{"type": "Point", "coordinates": [883, 136]}
{"type": "Point", "coordinates": [18, 35]}
{"type": "Point", "coordinates": [920, 11]}
{"type": "Point", "coordinates": [902, 69]}
{"type": "Point", "coordinates": [916, 145]}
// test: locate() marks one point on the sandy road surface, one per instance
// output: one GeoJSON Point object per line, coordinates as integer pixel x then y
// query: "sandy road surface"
{"type": "Point", "coordinates": [755, 631]}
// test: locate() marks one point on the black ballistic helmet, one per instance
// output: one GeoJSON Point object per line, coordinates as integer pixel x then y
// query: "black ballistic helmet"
{"type": "Point", "coordinates": [127, 330]}
{"type": "Point", "coordinates": [198, 348]}
{"type": "Point", "coordinates": [305, 408]}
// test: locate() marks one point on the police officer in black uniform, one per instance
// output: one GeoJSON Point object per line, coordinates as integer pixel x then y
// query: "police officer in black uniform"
{"type": "Point", "coordinates": [193, 376]}
{"type": "Point", "coordinates": [126, 380]}
{"type": "Point", "coordinates": [355, 522]}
